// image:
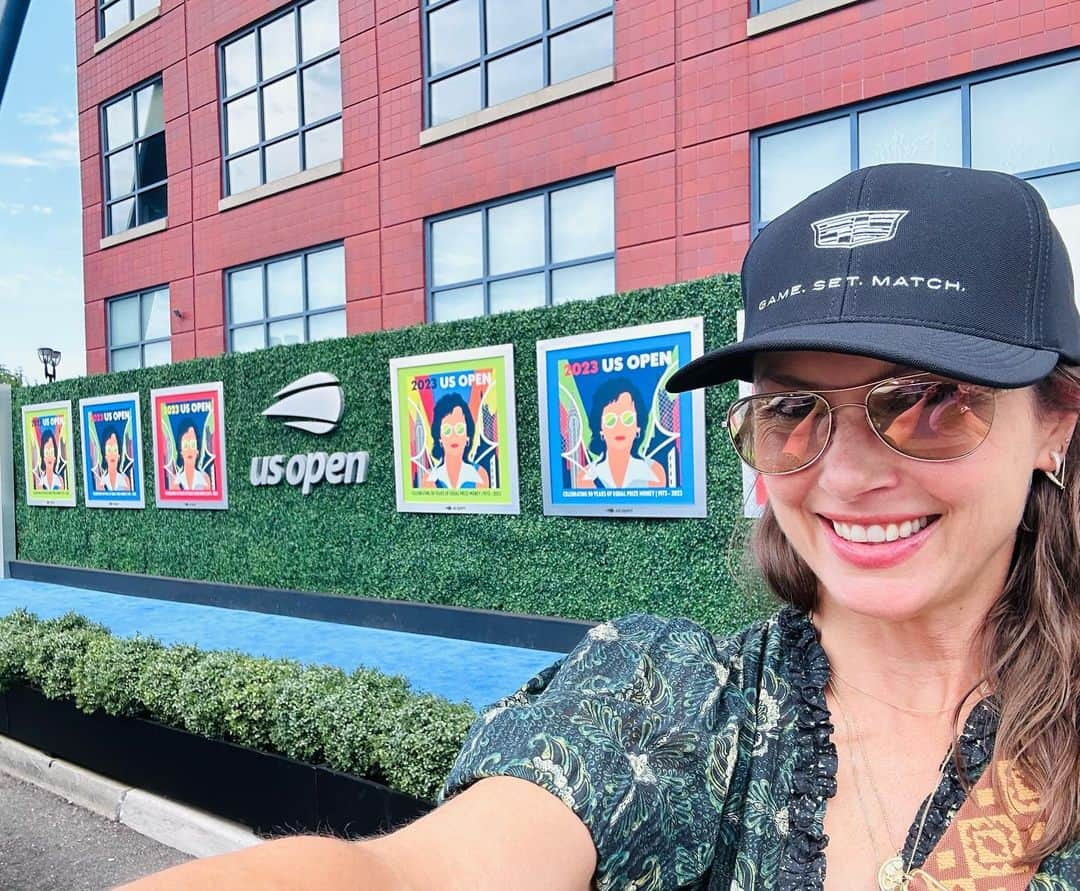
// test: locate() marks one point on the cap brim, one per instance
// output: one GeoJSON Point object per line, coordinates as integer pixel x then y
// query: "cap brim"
{"type": "Point", "coordinates": [962, 356]}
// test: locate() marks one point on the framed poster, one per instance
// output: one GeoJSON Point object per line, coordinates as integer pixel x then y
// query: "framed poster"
{"type": "Point", "coordinates": [112, 451]}
{"type": "Point", "coordinates": [613, 441]}
{"type": "Point", "coordinates": [189, 447]}
{"type": "Point", "coordinates": [47, 454]}
{"type": "Point", "coordinates": [455, 431]}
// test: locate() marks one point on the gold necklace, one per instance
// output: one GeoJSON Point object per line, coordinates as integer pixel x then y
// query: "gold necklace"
{"type": "Point", "coordinates": [899, 708]}
{"type": "Point", "coordinates": [892, 875]}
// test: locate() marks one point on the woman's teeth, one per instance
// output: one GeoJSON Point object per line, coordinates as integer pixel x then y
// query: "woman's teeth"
{"type": "Point", "coordinates": [875, 534]}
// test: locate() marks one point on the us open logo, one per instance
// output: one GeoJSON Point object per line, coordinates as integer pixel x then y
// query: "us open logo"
{"type": "Point", "coordinates": [857, 228]}
{"type": "Point", "coordinates": [314, 404]}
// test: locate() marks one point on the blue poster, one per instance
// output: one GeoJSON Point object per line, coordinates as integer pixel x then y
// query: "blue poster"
{"type": "Point", "coordinates": [614, 442]}
{"type": "Point", "coordinates": [112, 451]}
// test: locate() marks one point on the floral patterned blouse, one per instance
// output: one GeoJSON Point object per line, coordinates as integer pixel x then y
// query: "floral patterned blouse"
{"type": "Point", "coordinates": [701, 763]}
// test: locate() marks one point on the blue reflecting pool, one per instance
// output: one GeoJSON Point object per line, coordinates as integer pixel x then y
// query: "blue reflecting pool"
{"type": "Point", "coordinates": [459, 670]}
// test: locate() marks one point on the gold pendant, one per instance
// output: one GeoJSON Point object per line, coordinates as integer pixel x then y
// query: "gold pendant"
{"type": "Point", "coordinates": [890, 876]}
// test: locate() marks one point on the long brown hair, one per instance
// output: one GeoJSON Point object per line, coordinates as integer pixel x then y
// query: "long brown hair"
{"type": "Point", "coordinates": [1029, 638]}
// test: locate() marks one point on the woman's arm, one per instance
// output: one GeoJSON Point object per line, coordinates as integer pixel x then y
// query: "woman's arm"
{"type": "Point", "coordinates": [500, 833]}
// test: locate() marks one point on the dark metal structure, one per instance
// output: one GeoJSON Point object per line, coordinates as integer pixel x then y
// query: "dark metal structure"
{"type": "Point", "coordinates": [12, 16]}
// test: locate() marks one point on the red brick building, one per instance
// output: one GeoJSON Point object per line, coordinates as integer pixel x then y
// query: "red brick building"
{"type": "Point", "coordinates": [701, 120]}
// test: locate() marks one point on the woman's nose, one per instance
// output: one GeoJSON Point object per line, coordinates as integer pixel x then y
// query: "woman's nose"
{"type": "Point", "coordinates": [855, 462]}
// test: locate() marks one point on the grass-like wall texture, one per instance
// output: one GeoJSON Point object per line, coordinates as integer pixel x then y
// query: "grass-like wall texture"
{"type": "Point", "coordinates": [351, 539]}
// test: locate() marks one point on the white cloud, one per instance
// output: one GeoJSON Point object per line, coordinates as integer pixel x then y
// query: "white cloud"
{"type": "Point", "coordinates": [7, 159]}
{"type": "Point", "coordinates": [46, 116]}
{"type": "Point", "coordinates": [43, 209]}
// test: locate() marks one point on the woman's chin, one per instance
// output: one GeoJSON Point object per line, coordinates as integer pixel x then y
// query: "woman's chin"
{"type": "Point", "coordinates": [888, 601]}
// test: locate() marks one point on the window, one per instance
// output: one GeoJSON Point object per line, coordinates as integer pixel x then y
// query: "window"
{"type": "Point", "coordinates": [114, 14]}
{"type": "Point", "coordinates": [1008, 119]}
{"type": "Point", "coordinates": [483, 52]}
{"type": "Point", "coordinates": [133, 153]}
{"type": "Point", "coordinates": [291, 299]}
{"type": "Point", "coordinates": [537, 249]}
{"type": "Point", "coordinates": [281, 96]}
{"type": "Point", "coordinates": [139, 330]}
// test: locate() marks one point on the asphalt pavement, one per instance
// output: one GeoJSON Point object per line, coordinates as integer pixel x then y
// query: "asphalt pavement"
{"type": "Point", "coordinates": [49, 844]}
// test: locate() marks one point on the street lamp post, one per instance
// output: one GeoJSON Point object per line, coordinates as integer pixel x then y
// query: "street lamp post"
{"type": "Point", "coordinates": [50, 358]}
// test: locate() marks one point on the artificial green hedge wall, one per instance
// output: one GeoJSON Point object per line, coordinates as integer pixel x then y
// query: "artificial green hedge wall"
{"type": "Point", "coordinates": [352, 540]}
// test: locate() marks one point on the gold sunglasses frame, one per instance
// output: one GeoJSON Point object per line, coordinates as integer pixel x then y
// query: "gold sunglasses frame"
{"type": "Point", "coordinates": [870, 387]}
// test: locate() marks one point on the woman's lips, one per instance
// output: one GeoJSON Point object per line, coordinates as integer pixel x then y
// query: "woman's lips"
{"type": "Point", "coordinates": [878, 555]}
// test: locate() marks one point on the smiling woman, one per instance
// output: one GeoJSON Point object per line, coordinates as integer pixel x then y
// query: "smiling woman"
{"type": "Point", "coordinates": [910, 719]}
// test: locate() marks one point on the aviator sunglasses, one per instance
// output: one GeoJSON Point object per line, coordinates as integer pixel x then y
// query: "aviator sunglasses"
{"type": "Point", "coordinates": [920, 416]}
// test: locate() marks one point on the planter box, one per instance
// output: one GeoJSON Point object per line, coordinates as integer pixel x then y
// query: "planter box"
{"type": "Point", "coordinates": [270, 793]}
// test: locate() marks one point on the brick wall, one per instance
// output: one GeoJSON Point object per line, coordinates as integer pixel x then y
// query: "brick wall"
{"type": "Point", "coordinates": [674, 126]}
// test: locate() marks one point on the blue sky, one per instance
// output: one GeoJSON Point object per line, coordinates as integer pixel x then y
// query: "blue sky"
{"type": "Point", "coordinates": [41, 283]}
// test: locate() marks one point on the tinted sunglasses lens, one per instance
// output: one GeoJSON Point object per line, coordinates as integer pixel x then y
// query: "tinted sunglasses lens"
{"type": "Point", "coordinates": [779, 432]}
{"type": "Point", "coordinates": [935, 420]}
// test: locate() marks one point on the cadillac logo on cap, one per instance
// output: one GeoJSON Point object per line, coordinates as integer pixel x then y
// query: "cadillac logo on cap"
{"type": "Point", "coordinates": [857, 228]}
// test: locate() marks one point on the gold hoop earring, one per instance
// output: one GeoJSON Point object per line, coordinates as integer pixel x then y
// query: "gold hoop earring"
{"type": "Point", "coordinates": [1057, 477]}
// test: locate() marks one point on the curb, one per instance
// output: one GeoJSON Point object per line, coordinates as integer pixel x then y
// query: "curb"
{"type": "Point", "coordinates": [176, 825]}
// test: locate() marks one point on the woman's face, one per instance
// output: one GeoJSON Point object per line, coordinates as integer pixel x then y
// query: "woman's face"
{"type": "Point", "coordinates": [454, 432]}
{"type": "Point", "coordinates": [49, 455]}
{"type": "Point", "coordinates": [619, 423]}
{"type": "Point", "coordinates": [189, 447]}
{"type": "Point", "coordinates": [112, 452]}
{"type": "Point", "coordinates": [971, 506]}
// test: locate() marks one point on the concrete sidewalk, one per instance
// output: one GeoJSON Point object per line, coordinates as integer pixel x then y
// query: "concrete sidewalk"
{"type": "Point", "coordinates": [182, 828]}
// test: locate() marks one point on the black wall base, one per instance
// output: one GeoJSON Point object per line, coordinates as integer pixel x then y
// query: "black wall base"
{"type": "Point", "coordinates": [270, 793]}
{"type": "Point", "coordinates": [483, 626]}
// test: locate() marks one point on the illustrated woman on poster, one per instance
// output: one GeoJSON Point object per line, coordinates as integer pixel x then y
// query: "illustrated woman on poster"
{"type": "Point", "coordinates": [452, 429]}
{"type": "Point", "coordinates": [107, 475]}
{"type": "Point", "coordinates": [186, 475]}
{"type": "Point", "coordinates": [615, 421]}
{"type": "Point", "coordinates": [48, 477]}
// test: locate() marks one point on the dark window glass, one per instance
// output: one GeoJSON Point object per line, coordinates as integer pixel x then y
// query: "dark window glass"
{"type": "Point", "coordinates": [134, 163]}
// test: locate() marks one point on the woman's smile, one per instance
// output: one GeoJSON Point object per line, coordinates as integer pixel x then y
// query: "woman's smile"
{"type": "Point", "coordinates": [878, 545]}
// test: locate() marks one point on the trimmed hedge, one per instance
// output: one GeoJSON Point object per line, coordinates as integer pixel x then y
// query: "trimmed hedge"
{"type": "Point", "coordinates": [352, 540]}
{"type": "Point", "coordinates": [366, 723]}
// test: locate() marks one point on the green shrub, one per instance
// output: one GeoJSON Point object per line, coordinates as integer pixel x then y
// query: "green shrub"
{"type": "Point", "coordinates": [159, 685]}
{"type": "Point", "coordinates": [107, 676]}
{"type": "Point", "coordinates": [418, 750]}
{"type": "Point", "coordinates": [356, 719]}
{"type": "Point", "coordinates": [248, 689]}
{"type": "Point", "coordinates": [55, 649]}
{"type": "Point", "coordinates": [365, 723]}
{"type": "Point", "coordinates": [15, 631]}
{"type": "Point", "coordinates": [297, 713]}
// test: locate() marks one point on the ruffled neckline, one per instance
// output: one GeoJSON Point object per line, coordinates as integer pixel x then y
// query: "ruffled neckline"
{"type": "Point", "coordinates": [802, 864]}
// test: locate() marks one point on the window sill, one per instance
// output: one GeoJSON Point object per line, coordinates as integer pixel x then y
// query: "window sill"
{"type": "Point", "coordinates": [529, 101]}
{"type": "Point", "coordinates": [120, 33]}
{"type": "Point", "coordinates": [789, 14]}
{"type": "Point", "coordinates": [137, 232]}
{"type": "Point", "coordinates": [302, 178]}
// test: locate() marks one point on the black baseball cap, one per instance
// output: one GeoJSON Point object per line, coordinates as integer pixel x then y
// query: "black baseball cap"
{"type": "Point", "coordinates": [947, 269]}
